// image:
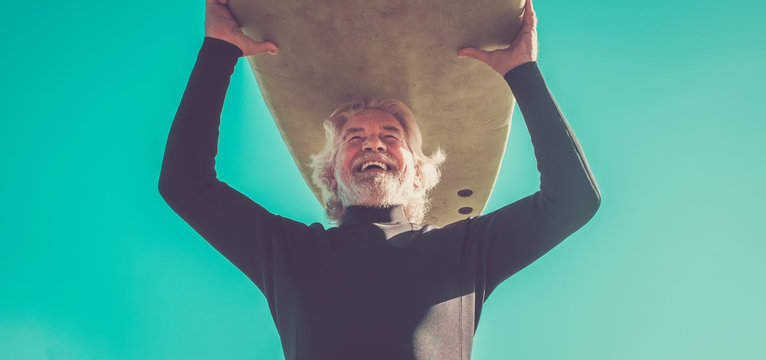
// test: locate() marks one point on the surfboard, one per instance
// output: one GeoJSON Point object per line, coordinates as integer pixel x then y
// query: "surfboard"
{"type": "Point", "coordinates": [331, 51]}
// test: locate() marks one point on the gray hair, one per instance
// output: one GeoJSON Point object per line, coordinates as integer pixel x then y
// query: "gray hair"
{"type": "Point", "coordinates": [427, 168]}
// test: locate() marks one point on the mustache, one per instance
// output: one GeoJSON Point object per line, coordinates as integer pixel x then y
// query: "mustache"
{"type": "Point", "coordinates": [364, 157]}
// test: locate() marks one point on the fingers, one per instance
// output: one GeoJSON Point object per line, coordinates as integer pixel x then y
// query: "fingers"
{"type": "Point", "coordinates": [474, 53]}
{"type": "Point", "coordinates": [530, 18]}
{"type": "Point", "coordinates": [269, 47]}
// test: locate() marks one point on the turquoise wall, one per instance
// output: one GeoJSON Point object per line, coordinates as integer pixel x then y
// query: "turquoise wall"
{"type": "Point", "coordinates": [663, 97]}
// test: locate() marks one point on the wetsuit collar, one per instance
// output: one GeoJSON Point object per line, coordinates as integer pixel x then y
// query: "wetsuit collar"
{"type": "Point", "coordinates": [356, 215]}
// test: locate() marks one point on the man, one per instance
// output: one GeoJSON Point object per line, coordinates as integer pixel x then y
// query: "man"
{"type": "Point", "coordinates": [377, 286]}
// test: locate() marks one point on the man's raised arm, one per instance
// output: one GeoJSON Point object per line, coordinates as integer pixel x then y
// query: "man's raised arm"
{"type": "Point", "coordinates": [189, 164]}
{"type": "Point", "coordinates": [517, 234]}
{"type": "Point", "coordinates": [236, 226]}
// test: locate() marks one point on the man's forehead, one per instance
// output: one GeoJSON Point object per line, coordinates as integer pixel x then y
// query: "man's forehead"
{"type": "Point", "coordinates": [372, 118]}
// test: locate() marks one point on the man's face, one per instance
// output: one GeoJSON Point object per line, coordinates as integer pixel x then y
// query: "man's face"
{"type": "Point", "coordinates": [374, 166]}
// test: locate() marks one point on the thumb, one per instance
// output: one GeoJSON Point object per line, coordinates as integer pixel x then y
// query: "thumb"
{"type": "Point", "coordinates": [474, 53]}
{"type": "Point", "coordinates": [257, 47]}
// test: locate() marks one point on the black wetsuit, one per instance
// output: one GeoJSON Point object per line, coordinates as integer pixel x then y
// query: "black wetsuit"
{"type": "Point", "coordinates": [376, 287]}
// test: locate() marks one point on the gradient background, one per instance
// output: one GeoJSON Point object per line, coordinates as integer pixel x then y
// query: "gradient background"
{"type": "Point", "coordinates": [663, 97]}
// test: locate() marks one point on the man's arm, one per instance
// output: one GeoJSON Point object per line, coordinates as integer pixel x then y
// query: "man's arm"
{"type": "Point", "coordinates": [237, 227]}
{"type": "Point", "coordinates": [516, 235]}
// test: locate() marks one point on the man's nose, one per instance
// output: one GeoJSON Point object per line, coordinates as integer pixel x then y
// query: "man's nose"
{"type": "Point", "coordinates": [373, 143]}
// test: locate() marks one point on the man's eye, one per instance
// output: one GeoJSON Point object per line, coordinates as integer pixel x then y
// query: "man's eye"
{"type": "Point", "coordinates": [355, 138]}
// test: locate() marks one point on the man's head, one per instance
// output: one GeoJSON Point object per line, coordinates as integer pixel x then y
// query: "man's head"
{"type": "Point", "coordinates": [374, 157]}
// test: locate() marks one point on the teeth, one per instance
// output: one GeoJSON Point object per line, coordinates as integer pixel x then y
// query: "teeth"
{"type": "Point", "coordinates": [375, 163]}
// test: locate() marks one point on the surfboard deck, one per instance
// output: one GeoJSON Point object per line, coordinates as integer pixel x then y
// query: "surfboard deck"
{"type": "Point", "coordinates": [332, 51]}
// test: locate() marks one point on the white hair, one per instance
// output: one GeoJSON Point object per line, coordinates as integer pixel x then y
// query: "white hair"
{"type": "Point", "coordinates": [427, 168]}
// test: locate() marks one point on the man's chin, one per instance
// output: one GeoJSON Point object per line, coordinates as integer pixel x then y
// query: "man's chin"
{"type": "Point", "coordinates": [373, 188]}
{"type": "Point", "coordinates": [375, 175]}
{"type": "Point", "coordinates": [372, 195]}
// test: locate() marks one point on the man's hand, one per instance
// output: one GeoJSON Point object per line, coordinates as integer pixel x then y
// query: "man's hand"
{"type": "Point", "coordinates": [220, 24]}
{"type": "Point", "coordinates": [523, 49]}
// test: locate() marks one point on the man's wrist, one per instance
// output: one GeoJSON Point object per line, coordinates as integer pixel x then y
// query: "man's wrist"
{"type": "Point", "coordinates": [221, 45]}
{"type": "Point", "coordinates": [527, 64]}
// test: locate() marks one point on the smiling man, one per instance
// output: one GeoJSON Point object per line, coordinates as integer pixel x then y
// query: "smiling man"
{"type": "Point", "coordinates": [378, 285]}
{"type": "Point", "coordinates": [373, 157]}
{"type": "Point", "coordinates": [374, 167]}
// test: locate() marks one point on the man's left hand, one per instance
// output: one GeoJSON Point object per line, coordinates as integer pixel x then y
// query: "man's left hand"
{"type": "Point", "coordinates": [523, 49]}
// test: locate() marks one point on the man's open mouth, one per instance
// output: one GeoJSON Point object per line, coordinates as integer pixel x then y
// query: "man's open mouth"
{"type": "Point", "coordinates": [373, 165]}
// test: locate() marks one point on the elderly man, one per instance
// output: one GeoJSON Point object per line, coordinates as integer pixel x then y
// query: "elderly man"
{"type": "Point", "coordinates": [379, 285]}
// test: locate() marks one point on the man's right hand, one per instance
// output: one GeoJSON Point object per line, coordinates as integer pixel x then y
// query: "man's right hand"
{"type": "Point", "coordinates": [220, 24]}
{"type": "Point", "coordinates": [523, 49]}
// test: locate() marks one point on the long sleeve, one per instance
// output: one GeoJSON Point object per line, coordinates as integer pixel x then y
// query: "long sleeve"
{"type": "Point", "coordinates": [188, 167]}
{"type": "Point", "coordinates": [516, 235]}
{"type": "Point", "coordinates": [243, 231]}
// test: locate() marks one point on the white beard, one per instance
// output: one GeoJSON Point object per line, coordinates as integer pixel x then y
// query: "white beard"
{"type": "Point", "coordinates": [379, 189]}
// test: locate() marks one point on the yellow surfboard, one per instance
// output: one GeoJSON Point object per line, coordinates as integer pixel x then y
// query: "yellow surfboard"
{"type": "Point", "coordinates": [331, 51]}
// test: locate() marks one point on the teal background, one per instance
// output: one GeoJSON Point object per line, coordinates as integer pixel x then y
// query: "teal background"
{"type": "Point", "coordinates": [664, 97]}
